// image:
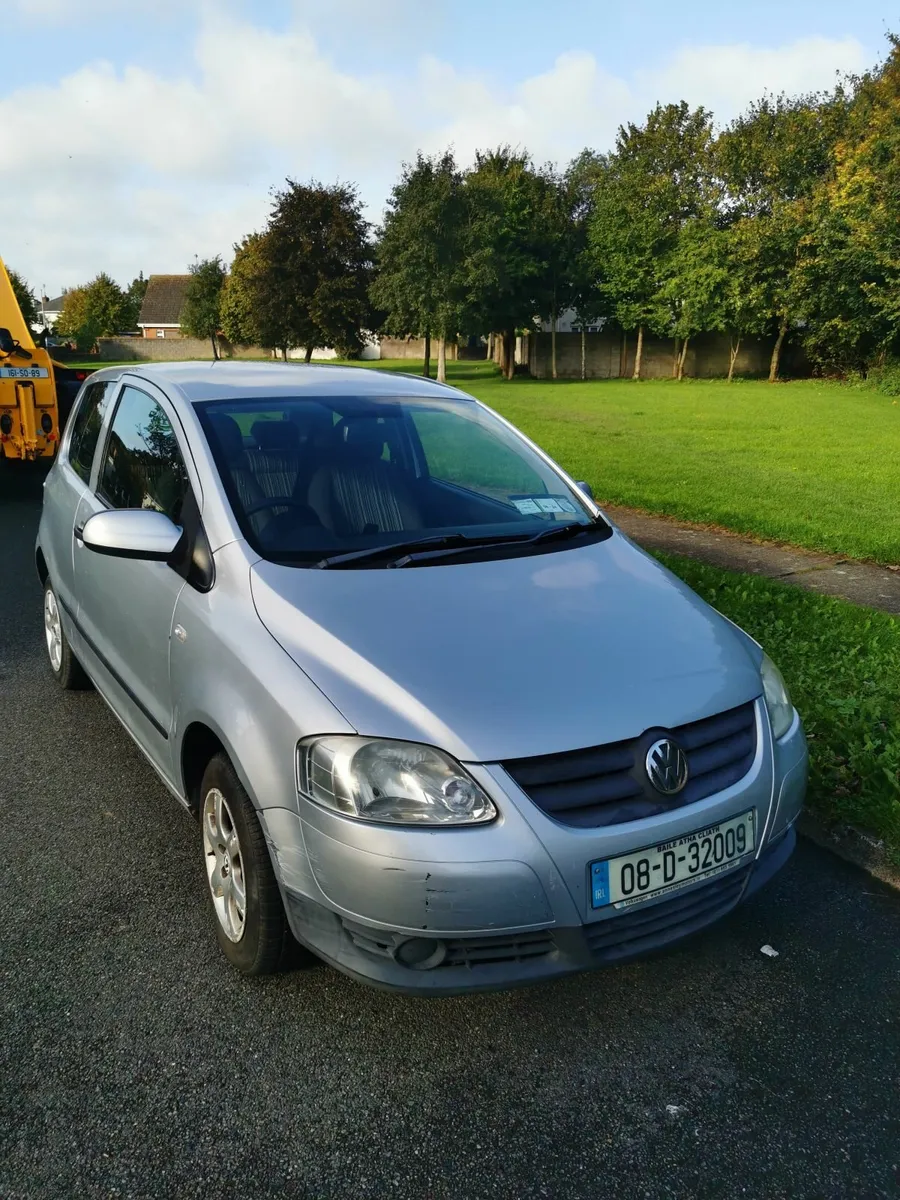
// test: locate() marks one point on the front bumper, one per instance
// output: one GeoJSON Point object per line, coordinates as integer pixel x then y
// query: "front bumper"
{"type": "Point", "coordinates": [508, 904]}
{"type": "Point", "coordinates": [515, 959]}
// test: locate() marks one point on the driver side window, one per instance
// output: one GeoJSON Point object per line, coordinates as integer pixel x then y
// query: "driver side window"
{"type": "Point", "coordinates": [142, 466]}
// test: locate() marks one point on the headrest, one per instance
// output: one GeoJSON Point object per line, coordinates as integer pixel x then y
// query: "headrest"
{"type": "Point", "coordinates": [276, 435]}
{"type": "Point", "coordinates": [228, 434]}
{"type": "Point", "coordinates": [360, 438]}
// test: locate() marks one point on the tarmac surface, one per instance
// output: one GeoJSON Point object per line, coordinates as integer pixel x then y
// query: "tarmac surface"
{"type": "Point", "coordinates": [135, 1063]}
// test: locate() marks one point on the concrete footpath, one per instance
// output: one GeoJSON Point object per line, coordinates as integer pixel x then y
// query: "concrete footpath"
{"type": "Point", "coordinates": [858, 582]}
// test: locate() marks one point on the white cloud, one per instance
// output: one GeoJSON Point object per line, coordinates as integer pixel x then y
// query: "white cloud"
{"type": "Point", "coordinates": [139, 169]}
{"type": "Point", "coordinates": [726, 79]}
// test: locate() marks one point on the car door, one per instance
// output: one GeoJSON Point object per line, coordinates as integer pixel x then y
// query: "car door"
{"type": "Point", "coordinates": [126, 605]}
{"type": "Point", "coordinates": [67, 483]}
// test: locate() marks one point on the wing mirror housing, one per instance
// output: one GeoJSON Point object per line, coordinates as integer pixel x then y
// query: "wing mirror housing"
{"type": "Point", "coordinates": [7, 342]}
{"type": "Point", "coordinates": [131, 533]}
{"type": "Point", "coordinates": [585, 488]}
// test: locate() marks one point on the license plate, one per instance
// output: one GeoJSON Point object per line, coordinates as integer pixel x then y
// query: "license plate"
{"type": "Point", "coordinates": [630, 878]}
{"type": "Point", "coordinates": [23, 373]}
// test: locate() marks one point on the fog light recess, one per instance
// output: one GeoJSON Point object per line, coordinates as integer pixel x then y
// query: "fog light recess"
{"type": "Point", "coordinates": [420, 954]}
{"type": "Point", "coordinates": [6, 424]}
{"type": "Point", "coordinates": [46, 422]}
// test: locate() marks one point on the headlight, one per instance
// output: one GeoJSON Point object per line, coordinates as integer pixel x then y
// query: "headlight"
{"type": "Point", "coordinates": [398, 782]}
{"type": "Point", "coordinates": [778, 702]}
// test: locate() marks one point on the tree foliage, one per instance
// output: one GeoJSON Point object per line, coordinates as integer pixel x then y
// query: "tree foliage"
{"type": "Point", "coordinates": [504, 261]}
{"type": "Point", "coordinates": [419, 284]}
{"type": "Point", "coordinates": [200, 311]}
{"type": "Point", "coordinates": [318, 267]}
{"type": "Point", "coordinates": [25, 297]}
{"type": "Point", "coordinates": [97, 309]}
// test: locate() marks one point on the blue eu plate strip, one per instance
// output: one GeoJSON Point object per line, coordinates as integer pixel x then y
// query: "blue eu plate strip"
{"type": "Point", "coordinates": [599, 884]}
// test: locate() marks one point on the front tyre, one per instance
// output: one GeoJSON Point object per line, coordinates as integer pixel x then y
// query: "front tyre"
{"type": "Point", "coordinates": [66, 668]}
{"type": "Point", "coordinates": [249, 914]}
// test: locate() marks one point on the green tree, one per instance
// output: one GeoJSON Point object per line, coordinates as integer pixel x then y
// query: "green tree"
{"type": "Point", "coordinates": [585, 292]}
{"type": "Point", "coordinates": [200, 311]}
{"type": "Point", "coordinates": [97, 309]}
{"type": "Point", "coordinates": [135, 293]}
{"type": "Point", "coordinates": [249, 314]}
{"type": "Point", "coordinates": [25, 298]}
{"type": "Point", "coordinates": [319, 267]}
{"type": "Point", "coordinates": [504, 263]}
{"type": "Point", "coordinates": [772, 161]}
{"type": "Point", "coordinates": [658, 178]}
{"type": "Point", "coordinates": [849, 274]}
{"type": "Point", "coordinates": [418, 283]}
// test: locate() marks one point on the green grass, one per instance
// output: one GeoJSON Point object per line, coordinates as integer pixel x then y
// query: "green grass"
{"type": "Point", "coordinates": [842, 666]}
{"type": "Point", "coordinates": [810, 463]}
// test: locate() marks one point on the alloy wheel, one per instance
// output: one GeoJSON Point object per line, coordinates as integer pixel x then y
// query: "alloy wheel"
{"type": "Point", "coordinates": [224, 865]}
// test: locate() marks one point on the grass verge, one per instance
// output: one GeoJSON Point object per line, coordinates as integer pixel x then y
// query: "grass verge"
{"type": "Point", "coordinates": [842, 666]}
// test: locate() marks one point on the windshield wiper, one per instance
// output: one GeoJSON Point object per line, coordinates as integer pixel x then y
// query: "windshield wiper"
{"type": "Point", "coordinates": [446, 545]}
{"type": "Point", "coordinates": [556, 533]}
{"type": "Point", "coordinates": [373, 553]}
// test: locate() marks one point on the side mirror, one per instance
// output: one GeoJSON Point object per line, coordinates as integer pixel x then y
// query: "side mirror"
{"type": "Point", "coordinates": [131, 533]}
{"type": "Point", "coordinates": [585, 487]}
{"type": "Point", "coordinates": [7, 342]}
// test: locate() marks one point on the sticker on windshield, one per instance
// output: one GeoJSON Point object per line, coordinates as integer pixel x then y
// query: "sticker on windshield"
{"type": "Point", "coordinates": [528, 505]}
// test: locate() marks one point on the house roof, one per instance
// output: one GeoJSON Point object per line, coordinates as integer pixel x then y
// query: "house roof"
{"type": "Point", "coordinates": [163, 300]}
{"type": "Point", "coordinates": [54, 305]}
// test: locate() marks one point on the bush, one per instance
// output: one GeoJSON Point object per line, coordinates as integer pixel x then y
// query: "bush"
{"type": "Point", "coordinates": [885, 378]}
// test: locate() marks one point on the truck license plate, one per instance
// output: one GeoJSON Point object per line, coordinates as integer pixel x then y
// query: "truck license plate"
{"type": "Point", "coordinates": [23, 372]}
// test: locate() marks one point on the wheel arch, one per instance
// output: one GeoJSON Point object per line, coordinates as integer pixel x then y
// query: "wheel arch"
{"type": "Point", "coordinates": [41, 564]}
{"type": "Point", "coordinates": [199, 744]}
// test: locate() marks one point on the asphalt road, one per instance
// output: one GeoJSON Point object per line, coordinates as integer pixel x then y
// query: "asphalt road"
{"type": "Point", "coordinates": [134, 1062]}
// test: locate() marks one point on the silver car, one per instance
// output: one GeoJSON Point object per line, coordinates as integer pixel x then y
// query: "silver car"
{"type": "Point", "coordinates": [438, 718]}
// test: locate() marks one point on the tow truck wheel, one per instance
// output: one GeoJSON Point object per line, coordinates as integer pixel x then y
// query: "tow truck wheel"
{"type": "Point", "coordinates": [65, 666]}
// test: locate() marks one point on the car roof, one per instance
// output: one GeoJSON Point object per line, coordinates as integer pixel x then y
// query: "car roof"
{"type": "Point", "coordinates": [198, 381]}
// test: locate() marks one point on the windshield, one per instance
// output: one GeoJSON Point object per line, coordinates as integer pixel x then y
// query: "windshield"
{"type": "Point", "coordinates": [312, 479]}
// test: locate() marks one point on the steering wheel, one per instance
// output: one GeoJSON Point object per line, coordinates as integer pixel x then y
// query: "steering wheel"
{"type": "Point", "coordinates": [274, 502]}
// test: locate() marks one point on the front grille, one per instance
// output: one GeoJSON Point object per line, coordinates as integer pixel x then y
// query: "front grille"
{"type": "Point", "coordinates": [460, 952]}
{"type": "Point", "coordinates": [643, 929]}
{"type": "Point", "coordinates": [474, 952]}
{"type": "Point", "coordinates": [608, 785]}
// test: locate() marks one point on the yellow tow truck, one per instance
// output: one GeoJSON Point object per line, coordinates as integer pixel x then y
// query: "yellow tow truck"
{"type": "Point", "coordinates": [36, 393]}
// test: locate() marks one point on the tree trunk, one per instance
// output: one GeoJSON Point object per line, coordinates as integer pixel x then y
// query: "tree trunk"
{"type": "Point", "coordinates": [553, 342]}
{"type": "Point", "coordinates": [638, 353]}
{"type": "Point", "coordinates": [442, 360]}
{"type": "Point", "coordinates": [426, 367]}
{"type": "Point", "coordinates": [215, 347]}
{"type": "Point", "coordinates": [677, 359]}
{"type": "Point", "coordinates": [489, 353]}
{"type": "Point", "coordinates": [776, 353]}
{"type": "Point", "coordinates": [623, 355]}
{"type": "Point", "coordinates": [682, 357]}
{"type": "Point", "coordinates": [307, 354]}
{"type": "Point", "coordinates": [284, 351]}
{"type": "Point", "coordinates": [733, 349]}
{"type": "Point", "coordinates": [583, 338]}
{"type": "Point", "coordinates": [509, 353]}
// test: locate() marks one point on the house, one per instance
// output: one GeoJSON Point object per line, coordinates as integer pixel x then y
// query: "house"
{"type": "Point", "coordinates": [49, 314]}
{"type": "Point", "coordinates": [160, 315]}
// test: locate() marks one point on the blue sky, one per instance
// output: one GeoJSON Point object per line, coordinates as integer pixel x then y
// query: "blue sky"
{"type": "Point", "coordinates": [160, 129]}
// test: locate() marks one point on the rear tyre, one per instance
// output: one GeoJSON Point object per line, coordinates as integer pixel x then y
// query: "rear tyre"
{"type": "Point", "coordinates": [68, 671]}
{"type": "Point", "coordinates": [247, 909]}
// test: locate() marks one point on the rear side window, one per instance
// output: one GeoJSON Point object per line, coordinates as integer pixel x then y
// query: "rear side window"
{"type": "Point", "coordinates": [86, 426]}
{"type": "Point", "coordinates": [143, 467]}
